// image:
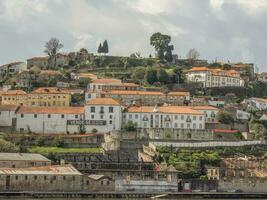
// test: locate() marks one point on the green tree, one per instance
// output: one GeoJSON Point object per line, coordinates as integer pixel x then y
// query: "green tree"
{"type": "Point", "coordinates": [168, 55]}
{"type": "Point", "coordinates": [105, 47]}
{"type": "Point", "coordinates": [260, 131]}
{"type": "Point", "coordinates": [100, 49]}
{"type": "Point", "coordinates": [162, 76]}
{"type": "Point", "coordinates": [225, 117]}
{"type": "Point", "coordinates": [130, 126]}
{"type": "Point", "coordinates": [52, 48]}
{"type": "Point", "coordinates": [151, 76]}
{"type": "Point", "coordinates": [160, 43]}
{"type": "Point", "coordinates": [226, 67]}
{"type": "Point", "coordinates": [9, 147]}
{"type": "Point", "coordinates": [139, 73]}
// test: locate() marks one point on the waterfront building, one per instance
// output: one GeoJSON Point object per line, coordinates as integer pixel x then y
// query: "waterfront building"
{"type": "Point", "coordinates": [22, 160]}
{"type": "Point", "coordinates": [43, 178]}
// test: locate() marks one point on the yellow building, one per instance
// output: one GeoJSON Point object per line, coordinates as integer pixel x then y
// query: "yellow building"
{"type": "Point", "coordinates": [13, 97]}
{"type": "Point", "coordinates": [49, 96]}
{"type": "Point", "coordinates": [44, 96]}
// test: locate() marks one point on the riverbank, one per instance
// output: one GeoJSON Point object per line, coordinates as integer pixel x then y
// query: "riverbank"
{"type": "Point", "coordinates": [134, 195]}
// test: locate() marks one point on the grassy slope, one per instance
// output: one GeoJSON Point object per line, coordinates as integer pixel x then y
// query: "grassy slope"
{"type": "Point", "coordinates": [47, 150]}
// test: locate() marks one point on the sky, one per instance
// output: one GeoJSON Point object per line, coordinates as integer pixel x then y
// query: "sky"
{"type": "Point", "coordinates": [222, 30]}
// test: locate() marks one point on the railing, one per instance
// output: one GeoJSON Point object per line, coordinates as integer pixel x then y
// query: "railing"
{"type": "Point", "coordinates": [208, 144]}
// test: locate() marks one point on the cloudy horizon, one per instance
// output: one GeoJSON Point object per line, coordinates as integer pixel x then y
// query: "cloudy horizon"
{"type": "Point", "coordinates": [222, 30]}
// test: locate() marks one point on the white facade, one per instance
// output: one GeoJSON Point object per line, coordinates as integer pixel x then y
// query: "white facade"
{"type": "Point", "coordinates": [256, 103]}
{"type": "Point", "coordinates": [242, 115]}
{"type": "Point", "coordinates": [215, 77]}
{"type": "Point", "coordinates": [103, 114]}
{"type": "Point", "coordinates": [7, 115]}
{"type": "Point", "coordinates": [174, 117]}
{"type": "Point", "coordinates": [49, 120]}
{"type": "Point", "coordinates": [15, 67]}
{"type": "Point", "coordinates": [209, 111]}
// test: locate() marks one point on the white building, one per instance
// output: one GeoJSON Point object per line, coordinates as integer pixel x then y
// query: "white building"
{"type": "Point", "coordinates": [7, 115]}
{"type": "Point", "coordinates": [255, 104]}
{"type": "Point", "coordinates": [209, 111]}
{"type": "Point", "coordinates": [103, 114]}
{"type": "Point", "coordinates": [57, 120]}
{"type": "Point", "coordinates": [215, 77]}
{"type": "Point", "coordinates": [14, 67]}
{"type": "Point", "coordinates": [175, 117]}
{"type": "Point", "coordinates": [262, 77]}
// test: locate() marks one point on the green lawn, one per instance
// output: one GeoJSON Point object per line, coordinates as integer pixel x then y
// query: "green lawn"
{"type": "Point", "coordinates": [47, 150]}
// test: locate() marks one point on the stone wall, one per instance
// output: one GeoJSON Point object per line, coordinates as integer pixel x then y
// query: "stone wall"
{"type": "Point", "coordinates": [245, 185]}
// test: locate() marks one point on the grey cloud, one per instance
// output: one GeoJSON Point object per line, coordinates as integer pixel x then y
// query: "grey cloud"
{"type": "Point", "coordinates": [229, 31]}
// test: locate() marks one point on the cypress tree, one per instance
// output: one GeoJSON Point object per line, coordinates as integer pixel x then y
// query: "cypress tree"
{"type": "Point", "coordinates": [105, 47]}
{"type": "Point", "coordinates": [100, 48]}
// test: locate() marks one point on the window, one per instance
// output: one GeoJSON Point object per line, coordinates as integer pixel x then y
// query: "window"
{"type": "Point", "coordinates": [62, 116]}
{"type": "Point", "coordinates": [89, 96]}
{"type": "Point", "coordinates": [182, 125]}
{"type": "Point", "coordinates": [200, 126]}
{"type": "Point", "coordinates": [110, 116]}
{"type": "Point", "coordinates": [92, 116]}
{"type": "Point", "coordinates": [110, 122]}
{"type": "Point", "coordinates": [54, 177]}
{"type": "Point", "coordinates": [44, 177]}
{"type": "Point", "coordinates": [21, 115]}
{"type": "Point", "coordinates": [130, 116]}
{"type": "Point", "coordinates": [101, 116]}
{"type": "Point", "coordinates": [176, 117]}
{"type": "Point", "coordinates": [76, 116]}
{"type": "Point", "coordinates": [35, 115]}
{"type": "Point", "coordinates": [136, 116]}
{"type": "Point", "coordinates": [92, 109]}
{"type": "Point", "coordinates": [26, 177]}
{"type": "Point", "coordinates": [194, 125]}
{"type": "Point", "coordinates": [49, 116]}
{"type": "Point", "coordinates": [182, 117]}
{"type": "Point", "coordinates": [188, 125]}
{"type": "Point", "coordinates": [101, 109]}
{"type": "Point", "coordinates": [64, 178]}
{"type": "Point", "coordinates": [17, 177]}
{"type": "Point", "coordinates": [175, 125]}
{"type": "Point", "coordinates": [110, 109]}
{"type": "Point", "coordinates": [200, 117]}
{"type": "Point", "coordinates": [194, 117]}
{"type": "Point", "coordinates": [35, 177]}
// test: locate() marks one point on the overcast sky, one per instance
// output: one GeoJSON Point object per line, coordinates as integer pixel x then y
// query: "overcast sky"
{"type": "Point", "coordinates": [234, 30]}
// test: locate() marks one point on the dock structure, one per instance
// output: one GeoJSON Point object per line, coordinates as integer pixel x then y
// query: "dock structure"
{"type": "Point", "coordinates": [113, 195]}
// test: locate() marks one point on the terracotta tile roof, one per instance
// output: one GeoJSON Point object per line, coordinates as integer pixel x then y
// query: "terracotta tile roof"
{"type": "Point", "coordinates": [204, 108]}
{"type": "Point", "coordinates": [53, 169]}
{"type": "Point", "coordinates": [50, 72]}
{"type": "Point", "coordinates": [106, 81]}
{"type": "Point", "coordinates": [225, 131]}
{"type": "Point", "coordinates": [134, 92]}
{"type": "Point", "coordinates": [8, 107]}
{"type": "Point", "coordinates": [199, 69]}
{"type": "Point", "coordinates": [53, 90]}
{"type": "Point", "coordinates": [164, 109]}
{"type": "Point", "coordinates": [87, 75]}
{"type": "Point", "coordinates": [102, 101]}
{"type": "Point", "coordinates": [216, 72]}
{"type": "Point", "coordinates": [51, 110]}
{"type": "Point", "coordinates": [14, 92]}
{"type": "Point", "coordinates": [179, 93]}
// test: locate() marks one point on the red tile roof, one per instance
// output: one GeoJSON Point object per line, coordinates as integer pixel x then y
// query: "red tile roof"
{"type": "Point", "coordinates": [102, 101]}
{"type": "Point", "coordinates": [164, 109]}
{"type": "Point", "coordinates": [106, 81]}
{"type": "Point", "coordinates": [51, 110]}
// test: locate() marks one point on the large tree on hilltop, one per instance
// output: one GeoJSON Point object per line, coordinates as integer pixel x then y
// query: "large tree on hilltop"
{"type": "Point", "coordinates": [161, 43]}
{"type": "Point", "coordinates": [52, 48]}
